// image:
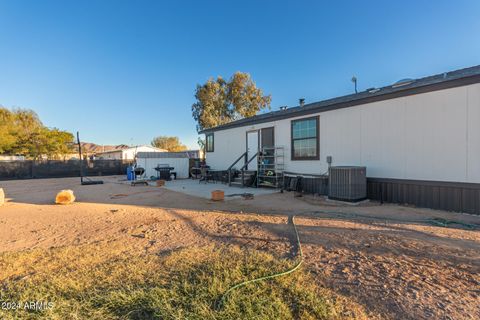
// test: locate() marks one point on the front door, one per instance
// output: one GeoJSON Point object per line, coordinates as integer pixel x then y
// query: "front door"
{"type": "Point", "coordinates": [252, 148]}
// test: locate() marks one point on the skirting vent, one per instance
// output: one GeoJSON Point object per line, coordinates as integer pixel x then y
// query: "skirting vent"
{"type": "Point", "coordinates": [347, 183]}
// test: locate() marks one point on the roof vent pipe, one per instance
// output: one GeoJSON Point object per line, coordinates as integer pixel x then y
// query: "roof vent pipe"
{"type": "Point", "coordinates": [354, 80]}
{"type": "Point", "coordinates": [301, 101]}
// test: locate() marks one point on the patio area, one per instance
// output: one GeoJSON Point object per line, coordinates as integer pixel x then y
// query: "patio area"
{"type": "Point", "coordinates": [204, 190]}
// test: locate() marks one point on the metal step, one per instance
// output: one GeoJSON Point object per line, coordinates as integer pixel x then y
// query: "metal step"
{"type": "Point", "coordinates": [237, 181]}
{"type": "Point", "coordinates": [245, 175]}
{"type": "Point", "coordinates": [239, 178]}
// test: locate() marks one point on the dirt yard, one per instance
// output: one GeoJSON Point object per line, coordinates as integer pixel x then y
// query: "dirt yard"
{"type": "Point", "coordinates": [397, 261]}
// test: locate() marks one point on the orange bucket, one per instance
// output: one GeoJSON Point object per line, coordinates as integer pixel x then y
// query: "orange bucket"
{"type": "Point", "coordinates": [218, 195]}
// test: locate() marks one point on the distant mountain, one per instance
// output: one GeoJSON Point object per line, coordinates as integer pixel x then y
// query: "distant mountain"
{"type": "Point", "coordinates": [91, 148]}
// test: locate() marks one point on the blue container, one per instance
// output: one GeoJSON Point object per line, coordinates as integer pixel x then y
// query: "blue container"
{"type": "Point", "coordinates": [130, 173]}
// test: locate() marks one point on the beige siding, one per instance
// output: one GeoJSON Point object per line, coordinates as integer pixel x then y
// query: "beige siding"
{"type": "Point", "coordinates": [430, 136]}
{"type": "Point", "coordinates": [473, 134]}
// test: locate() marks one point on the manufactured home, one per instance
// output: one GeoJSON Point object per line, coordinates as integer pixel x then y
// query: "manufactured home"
{"type": "Point", "coordinates": [419, 140]}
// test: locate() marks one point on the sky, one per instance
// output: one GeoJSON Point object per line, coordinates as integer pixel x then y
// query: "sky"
{"type": "Point", "coordinates": [126, 71]}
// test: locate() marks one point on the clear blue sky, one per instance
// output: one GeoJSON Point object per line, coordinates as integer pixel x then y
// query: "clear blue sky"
{"type": "Point", "coordinates": [125, 71]}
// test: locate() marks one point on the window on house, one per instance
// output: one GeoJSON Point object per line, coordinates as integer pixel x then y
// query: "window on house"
{"type": "Point", "coordinates": [209, 143]}
{"type": "Point", "coordinates": [305, 139]}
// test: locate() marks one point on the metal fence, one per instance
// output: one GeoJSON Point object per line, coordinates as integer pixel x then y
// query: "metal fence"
{"type": "Point", "coordinates": [450, 196]}
{"type": "Point", "coordinates": [31, 169]}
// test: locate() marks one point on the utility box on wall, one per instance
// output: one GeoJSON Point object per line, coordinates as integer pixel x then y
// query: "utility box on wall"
{"type": "Point", "coordinates": [347, 183]}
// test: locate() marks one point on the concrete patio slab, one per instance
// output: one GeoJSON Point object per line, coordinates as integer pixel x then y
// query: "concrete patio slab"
{"type": "Point", "coordinates": [204, 190]}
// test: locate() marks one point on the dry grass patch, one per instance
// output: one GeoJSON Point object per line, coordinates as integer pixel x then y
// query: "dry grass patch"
{"type": "Point", "coordinates": [107, 281]}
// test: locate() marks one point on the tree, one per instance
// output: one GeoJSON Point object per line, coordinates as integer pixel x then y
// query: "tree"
{"type": "Point", "coordinates": [58, 143]}
{"type": "Point", "coordinates": [22, 133]}
{"type": "Point", "coordinates": [220, 102]}
{"type": "Point", "coordinates": [172, 144]}
{"type": "Point", "coordinates": [7, 130]}
{"type": "Point", "coordinates": [202, 144]}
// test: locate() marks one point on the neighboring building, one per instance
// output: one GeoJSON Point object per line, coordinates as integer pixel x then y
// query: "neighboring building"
{"type": "Point", "coordinates": [126, 153]}
{"type": "Point", "coordinates": [90, 149]}
{"type": "Point", "coordinates": [194, 154]}
{"type": "Point", "coordinates": [181, 161]}
{"type": "Point", "coordinates": [419, 139]}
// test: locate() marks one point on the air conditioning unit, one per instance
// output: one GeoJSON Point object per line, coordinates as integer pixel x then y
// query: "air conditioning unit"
{"type": "Point", "coordinates": [347, 183]}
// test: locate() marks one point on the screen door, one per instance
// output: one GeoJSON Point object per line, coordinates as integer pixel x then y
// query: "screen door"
{"type": "Point", "coordinates": [252, 148]}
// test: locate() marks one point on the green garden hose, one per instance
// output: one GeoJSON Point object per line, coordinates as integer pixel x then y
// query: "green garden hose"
{"type": "Point", "coordinates": [436, 221]}
{"type": "Point", "coordinates": [432, 221]}
{"type": "Point", "coordinates": [224, 296]}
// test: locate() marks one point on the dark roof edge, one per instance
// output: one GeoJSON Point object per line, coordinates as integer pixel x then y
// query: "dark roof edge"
{"type": "Point", "coordinates": [324, 106]}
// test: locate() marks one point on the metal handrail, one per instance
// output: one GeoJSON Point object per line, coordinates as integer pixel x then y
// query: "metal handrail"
{"type": "Point", "coordinates": [244, 155]}
{"type": "Point", "coordinates": [233, 164]}
{"type": "Point", "coordinates": [245, 166]}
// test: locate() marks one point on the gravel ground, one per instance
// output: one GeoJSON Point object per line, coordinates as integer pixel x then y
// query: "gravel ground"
{"type": "Point", "coordinates": [393, 259]}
